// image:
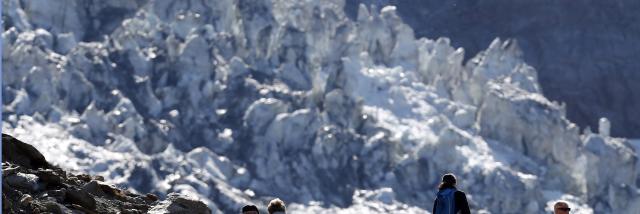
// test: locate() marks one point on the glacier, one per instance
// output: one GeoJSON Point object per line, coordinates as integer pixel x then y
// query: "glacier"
{"type": "Point", "coordinates": [240, 101]}
{"type": "Point", "coordinates": [584, 50]}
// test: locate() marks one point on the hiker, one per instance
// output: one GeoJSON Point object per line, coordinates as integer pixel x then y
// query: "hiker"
{"type": "Point", "coordinates": [561, 207]}
{"type": "Point", "coordinates": [250, 209]}
{"type": "Point", "coordinates": [450, 200]}
{"type": "Point", "coordinates": [276, 206]}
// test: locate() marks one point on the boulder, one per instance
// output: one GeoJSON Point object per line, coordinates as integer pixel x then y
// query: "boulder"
{"type": "Point", "coordinates": [80, 197]}
{"type": "Point", "coordinates": [176, 203]}
{"type": "Point", "coordinates": [21, 154]}
{"type": "Point", "coordinates": [22, 181]}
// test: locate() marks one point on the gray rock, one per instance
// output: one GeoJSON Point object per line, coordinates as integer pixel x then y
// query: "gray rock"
{"type": "Point", "coordinates": [21, 154]}
{"type": "Point", "coordinates": [80, 197]}
{"type": "Point", "coordinates": [26, 200]}
{"type": "Point", "coordinates": [51, 177]}
{"type": "Point", "coordinates": [93, 188]}
{"type": "Point", "coordinates": [54, 207]}
{"type": "Point", "coordinates": [176, 203]}
{"type": "Point", "coordinates": [21, 180]}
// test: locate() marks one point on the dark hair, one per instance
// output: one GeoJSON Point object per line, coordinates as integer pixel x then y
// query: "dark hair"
{"type": "Point", "coordinates": [276, 205]}
{"type": "Point", "coordinates": [448, 181]}
{"type": "Point", "coordinates": [248, 208]}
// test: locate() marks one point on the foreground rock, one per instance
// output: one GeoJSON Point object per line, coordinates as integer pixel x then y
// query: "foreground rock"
{"type": "Point", "coordinates": [31, 185]}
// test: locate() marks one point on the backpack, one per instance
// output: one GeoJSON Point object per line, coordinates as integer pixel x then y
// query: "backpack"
{"type": "Point", "coordinates": [445, 201]}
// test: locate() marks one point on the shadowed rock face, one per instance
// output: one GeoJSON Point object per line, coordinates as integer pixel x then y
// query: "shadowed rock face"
{"type": "Point", "coordinates": [21, 154]}
{"type": "Point", "coordinates": [586, 51]}
{"type": "Point", "coordinates": [31, 185]}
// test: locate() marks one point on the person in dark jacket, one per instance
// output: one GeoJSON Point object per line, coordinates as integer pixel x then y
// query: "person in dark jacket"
{"type": "Point", "coordinates": [250, 209]}
{"type": "Point", "coordinates": [450, 200]}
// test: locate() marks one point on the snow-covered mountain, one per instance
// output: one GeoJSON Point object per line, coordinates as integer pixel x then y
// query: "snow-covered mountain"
{"type": "Point", "coordinates": [586, 51]}
{"type": "Point", "coordinates": [241, 101]}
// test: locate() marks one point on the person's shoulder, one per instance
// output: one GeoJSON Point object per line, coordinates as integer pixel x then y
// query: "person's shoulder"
{"type": "Point", "coordinates": [460, 193]}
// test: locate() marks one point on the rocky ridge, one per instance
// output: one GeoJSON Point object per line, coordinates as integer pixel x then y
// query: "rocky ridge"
{"type": "Point", "coordinates": [31, 185]}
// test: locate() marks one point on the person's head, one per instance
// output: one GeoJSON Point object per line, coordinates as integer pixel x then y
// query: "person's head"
{"type": "Point", "coordinates": [561, 208]}
{"type": "Point", "coordinates": [276, 206]}
{"type": "Point", "coordinates": [448, 180]}
{"type": "Point", "coordinates": [250, 209]}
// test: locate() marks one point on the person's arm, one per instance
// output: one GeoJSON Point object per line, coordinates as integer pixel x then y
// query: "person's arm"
{"type": "Point", "coordinates": [461, 202]}
{"type": "Point", "coordinates": [434, 206]}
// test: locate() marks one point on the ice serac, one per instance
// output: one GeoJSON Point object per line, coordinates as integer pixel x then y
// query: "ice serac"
{"type": "Point", "coordinates": [238, 102]}
{"type": "Point", "coordinates": [584, 50]}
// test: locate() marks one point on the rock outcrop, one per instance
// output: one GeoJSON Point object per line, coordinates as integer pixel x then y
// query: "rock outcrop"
{"type": "Point", "coordinates": [31, 185]}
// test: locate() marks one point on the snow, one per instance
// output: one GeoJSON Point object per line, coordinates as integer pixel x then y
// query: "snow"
{"type": "Point", "coordinates": [238, 103]}
{"type": "Point", "coordinates": [604, 127]}
{"type": "Point", "coordinates": [549, 36]}
{"type": "Point", "coordinates": [364, 201]}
